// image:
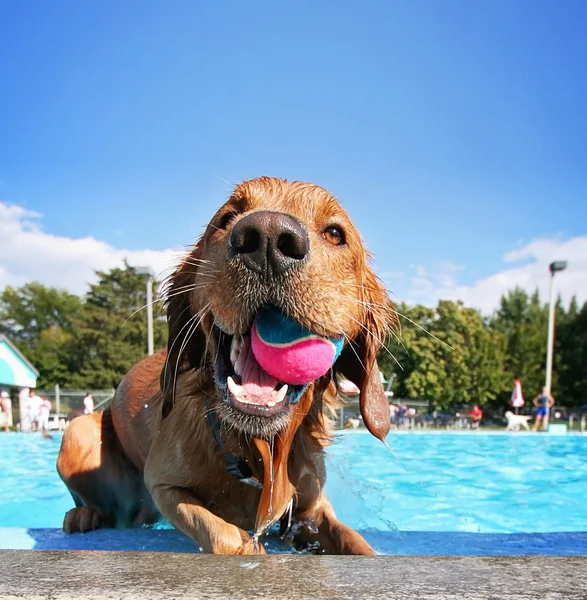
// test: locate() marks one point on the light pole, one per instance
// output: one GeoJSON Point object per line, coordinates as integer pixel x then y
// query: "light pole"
{"type": "Point", "coordinates": [559, 265]}
{"type": "Point", "coordinates": [150, 274]}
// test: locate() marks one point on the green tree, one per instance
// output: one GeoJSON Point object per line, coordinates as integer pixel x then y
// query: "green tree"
{"type": "Point", "coordinates": [111, 336]}
{"type": "Point", "coordinates": [40, 320]}
{"type": "Point", "coordinates": [450, 356]}
{"type": "Point", "coordinates": [571, 356]}
{"type": "Point", "coordinates": [522, 320]}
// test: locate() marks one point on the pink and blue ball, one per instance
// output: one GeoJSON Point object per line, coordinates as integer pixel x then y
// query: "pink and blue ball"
{"type": "Point", "coordinates": [288, 352]}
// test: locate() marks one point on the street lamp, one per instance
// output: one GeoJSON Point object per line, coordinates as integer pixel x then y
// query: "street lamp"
{"type": "Point", "coordinates": [559, 265]}
{"type": "Point", "coordinates": [150, 274]}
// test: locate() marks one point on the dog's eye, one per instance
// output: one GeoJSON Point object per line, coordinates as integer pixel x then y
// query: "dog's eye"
{"type": "Point", "coordinates": [225, 220]}
{"type": "Point", "coordinates": [334, 235]}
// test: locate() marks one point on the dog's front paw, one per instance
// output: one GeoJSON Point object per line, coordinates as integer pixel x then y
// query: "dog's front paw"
{"type": "Point", "coordinates": [251, 546]}
{"type": "Point", "coordinates": [82, 519]}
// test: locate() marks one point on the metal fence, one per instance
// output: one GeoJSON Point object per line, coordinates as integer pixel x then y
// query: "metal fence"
{"type": "Point", "coordinates": [66, 401]}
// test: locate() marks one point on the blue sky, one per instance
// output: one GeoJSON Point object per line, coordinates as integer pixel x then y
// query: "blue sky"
{"type": "Point", "coordinates": [454, 132]}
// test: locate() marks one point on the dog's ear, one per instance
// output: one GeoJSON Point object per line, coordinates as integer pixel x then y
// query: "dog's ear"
{"type": "Point", "coordinates": [186, 344]}
{"type": "Point", "coordinates": [358, 360]}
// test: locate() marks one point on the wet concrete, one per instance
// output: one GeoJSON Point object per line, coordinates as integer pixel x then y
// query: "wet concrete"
{"type": "Point", "coordinates": [56, 575]}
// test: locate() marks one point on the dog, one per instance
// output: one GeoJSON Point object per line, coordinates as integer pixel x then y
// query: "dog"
{"type": "Point", "coordinates": [184, 440]}
{"type": "Point", "coordinates": [515, 421]}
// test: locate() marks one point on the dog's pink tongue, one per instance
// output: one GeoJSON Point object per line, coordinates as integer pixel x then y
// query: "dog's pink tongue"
{"type": "Point", "coordinates": [254, 379]}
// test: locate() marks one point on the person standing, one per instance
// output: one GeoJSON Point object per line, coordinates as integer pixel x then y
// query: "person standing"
{"type": "Point", "coordinates": [35, 402]}
{"type": "Point", "coordinates": [44, 412]}
{"type": "Point", "coordinates": [517, 396]}
{"type": "Point", "coordinates": [393, 410]}
{"type": "Point", "coordinates": [88, 404]}
{"type": "Point", "coordinates": [402, 416]}
{"type": "Point", "coordinates": [544, 402]}
{"type": "Point", "coordinates": [5, 411]}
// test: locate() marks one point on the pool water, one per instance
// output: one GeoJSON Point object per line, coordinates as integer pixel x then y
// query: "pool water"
{"type": "Point", "coordinates": [477, 482]}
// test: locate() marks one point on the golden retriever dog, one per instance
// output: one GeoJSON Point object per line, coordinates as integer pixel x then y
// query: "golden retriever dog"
{"type": "Point", "coordinates": [180, 440]}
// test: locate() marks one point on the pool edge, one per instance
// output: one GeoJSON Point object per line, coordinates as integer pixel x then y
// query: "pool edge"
{"type": "Point", "coordinates": [100, 575]}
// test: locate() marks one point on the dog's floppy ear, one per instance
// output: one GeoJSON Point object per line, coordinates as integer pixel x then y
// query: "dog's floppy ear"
{"type": "Point", "coordinates": [358, 360]}
{"type": "Point", "coordinates": [186, 343]}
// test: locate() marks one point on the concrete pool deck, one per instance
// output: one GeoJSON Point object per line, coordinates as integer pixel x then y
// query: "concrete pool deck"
{"type": "Point", "coordinates": [64, 575]}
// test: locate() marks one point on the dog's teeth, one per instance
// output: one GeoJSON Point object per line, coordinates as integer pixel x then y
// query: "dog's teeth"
{"type": "Point", "coordinates": [279, 395]}
{"type": "Point", "coordinates": [235, 349]}
{"type": "Point", "coordinates": [270, 404]}
{"type": "Point", "coordinates": [235, 389]}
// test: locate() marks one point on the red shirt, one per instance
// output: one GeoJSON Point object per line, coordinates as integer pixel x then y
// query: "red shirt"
{"type": "Point", "coordinates": [476, 413]}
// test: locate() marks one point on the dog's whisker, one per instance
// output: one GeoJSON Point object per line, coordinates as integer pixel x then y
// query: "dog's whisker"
{"type": "Point", "coordinates": [170, 351]}
{"type": "Point", "coordinates": [192, 318]}
{"type": "Point", "coordinates": [390, 330]}
{"type": "Point", "coordinates": [138, 310]}
{"type": "Point", "coordinates": [381, 344]}
{"type": "Point", "coordinates": [194, 260]}
{"type": "Point", "coordinates": [394, 311]}
{"type": "Point", "coordinates": [423, 329]}
{"type": "Point", "coordinates": [186, 341]}
{"type": "Point", "coordinates": [350, 344]}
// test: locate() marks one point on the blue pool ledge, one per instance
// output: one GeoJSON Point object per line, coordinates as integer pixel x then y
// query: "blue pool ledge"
{"type": "Point", "coordinates": [406, 543]}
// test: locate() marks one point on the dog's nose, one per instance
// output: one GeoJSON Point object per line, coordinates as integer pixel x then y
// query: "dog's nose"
{"type": "Point", "coordinates": [269, 242]}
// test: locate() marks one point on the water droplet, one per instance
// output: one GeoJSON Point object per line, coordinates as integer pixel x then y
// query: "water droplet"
{"type": "Point", "coordinates": [146, 406]}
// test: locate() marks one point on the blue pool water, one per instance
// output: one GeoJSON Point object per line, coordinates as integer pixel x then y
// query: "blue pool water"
{"type": "Point", "coordinates": [479, 483]}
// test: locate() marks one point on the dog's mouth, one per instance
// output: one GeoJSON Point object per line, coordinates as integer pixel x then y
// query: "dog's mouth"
{"type": "Point", "coordinates": [244, 384]}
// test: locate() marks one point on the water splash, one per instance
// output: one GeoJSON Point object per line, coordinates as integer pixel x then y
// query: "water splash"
{"type": "Point", "coordinates": [369, 498]}
{"type": "Point", "coordinates": [397, 458]}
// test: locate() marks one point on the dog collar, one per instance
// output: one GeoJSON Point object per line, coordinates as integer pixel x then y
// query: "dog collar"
{"type": "Point", "coordinates": [236, 466]}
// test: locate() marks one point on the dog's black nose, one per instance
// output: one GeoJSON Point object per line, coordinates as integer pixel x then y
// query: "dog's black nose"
{"type": "Point", "coordinates": [269, 243]}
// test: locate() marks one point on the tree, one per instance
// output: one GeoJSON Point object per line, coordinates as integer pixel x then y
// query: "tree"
{"type": "Point", "coordinates": [523, 323]}
{"type": "Point", "coordinates": [449, 355]}
{"type": "Point", "coordinates": [111, 335]}
{"type": "Point", "coordinates": [27, 311]}
{"type": "Point", "coordinates": [571, 356]}
{"type": "Point", "coordinates": [40, 321]}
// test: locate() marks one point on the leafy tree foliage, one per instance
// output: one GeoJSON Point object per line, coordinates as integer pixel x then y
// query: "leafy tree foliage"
{"type": "Point", "coordinates": [449, 356]}
{"type": "Point", "coordinates": [88, 343]}
{"type": "Point", "coordinates": [111, 336]}
{"type": "Point", "coordinates": [571, 355]}
{"type": "Point", "coordinates": [41, 321]}
{"type": "Point", "coordinates": [452, 356]}
{"type": "Point", "coordinates": [523, 321]}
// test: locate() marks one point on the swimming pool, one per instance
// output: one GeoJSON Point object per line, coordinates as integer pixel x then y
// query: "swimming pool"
{"type": "Point", "coordinates": [480, 483]}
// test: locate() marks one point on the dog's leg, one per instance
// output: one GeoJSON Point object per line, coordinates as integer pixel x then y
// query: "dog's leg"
{"type": "Point", "coordinates": [107, 489]}
{"type": "Point", "coordinates": [525, 424]}
{"type": "Point", "coordinates": [318, 528]}
{"type": "Point", "coordinates": [213, 534]}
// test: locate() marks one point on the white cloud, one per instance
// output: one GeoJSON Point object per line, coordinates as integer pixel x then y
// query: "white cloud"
{"type": "Point", "coordinates": [529, 271]}
{"type": "Point", "coordinates": [27, 253]}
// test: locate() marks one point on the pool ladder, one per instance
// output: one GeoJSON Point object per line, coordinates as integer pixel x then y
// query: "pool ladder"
{"type": "Point", "coordinates": [581, 422]}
